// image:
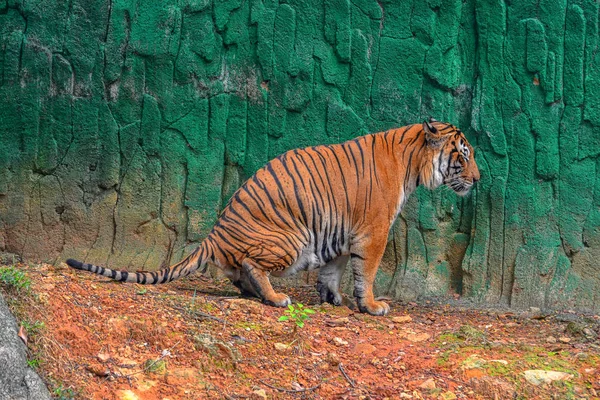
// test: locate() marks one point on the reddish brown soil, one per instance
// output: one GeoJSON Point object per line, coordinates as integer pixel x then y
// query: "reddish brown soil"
{"type": "Point", "coordinates": [98, 336]}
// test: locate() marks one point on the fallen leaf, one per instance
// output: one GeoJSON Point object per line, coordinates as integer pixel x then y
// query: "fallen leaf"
{"type": "Point", "coordinates": [23, 334]}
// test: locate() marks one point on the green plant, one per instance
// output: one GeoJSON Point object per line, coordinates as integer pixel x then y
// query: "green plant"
{"type": "Point", "coordinates": [157, 366]}
{"type": "Point", "coordinates": [33, 327]}
{"type": "Point", "coordinates": [297, 314]}
{"type": "Point", "coordinates": [13, 278]}
{"type": "Point", "coordinates": [34, 363]}
{"type": "Point", "coordinates": [62, 393]}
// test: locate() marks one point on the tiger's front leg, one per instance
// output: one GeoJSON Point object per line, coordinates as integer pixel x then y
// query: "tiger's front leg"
{"type": "Point", "coordinates": [365, 258]}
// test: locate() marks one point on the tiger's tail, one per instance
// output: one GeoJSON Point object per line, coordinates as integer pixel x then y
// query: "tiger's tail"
{"type": "Point", "coordinates": [195, 261]}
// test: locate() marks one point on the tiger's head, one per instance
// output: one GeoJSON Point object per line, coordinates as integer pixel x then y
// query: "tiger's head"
{"type": "Point", "coordinates": [451, 158]}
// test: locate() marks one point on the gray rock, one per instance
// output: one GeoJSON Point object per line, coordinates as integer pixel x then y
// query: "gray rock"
{"type": "Point", "coordinates": [17, 380]}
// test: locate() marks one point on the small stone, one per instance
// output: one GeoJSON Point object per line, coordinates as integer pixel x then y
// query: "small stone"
{"type": "Point", "coordinates": [535, 310]}
{"type": "Point", "coordinates": [429, 384]}
{"type": "Point", "coordinates": [418, 337]}
{"type": "Point", "coordinates": [538, 377]}
{"type": "Point", "coordinates": [339, 342]}
{"type": "Point", "coordinates": [564, 339]}
{"type": "Point", "coordinates": [364, 348]}
{"type": "Point", "coordinates": [448, 396]}
{"type": "Point", "coordinates": [404, 395]}
{"type": "Point", "coordinates": [551, 339]}
{"type": "Point", "coordinates": [282, 348]}
{"type": "Point", "coordinates": [104, 357]}
{"type": "Point", "coordinates": [589, 333]}
{"type": "Point", "coordinates": [259, 394]}
{"type": "Point", "coordinates": [582, 356]}
{"type": "Point", "coordinates": [403, 319]}
{"type": "Point", "coordinates": [333, 359]}
{"type": "Point", "coordinates": [98, 370]}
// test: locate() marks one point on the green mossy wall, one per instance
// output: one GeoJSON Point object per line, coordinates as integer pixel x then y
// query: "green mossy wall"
{"type": "Point", "coordinates": [126, 125]}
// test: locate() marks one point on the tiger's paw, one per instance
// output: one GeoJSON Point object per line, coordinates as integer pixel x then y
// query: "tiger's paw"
{"type": "Point", "coordinates": [329, 295]}
{"type": "Point", "coordinates": [278, 300]}
{"type": "Point", "coordinates": [374, 308]}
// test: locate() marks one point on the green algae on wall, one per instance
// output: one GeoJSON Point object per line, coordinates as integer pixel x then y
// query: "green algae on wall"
{"type": "Point", "coordinates": [126, 125]}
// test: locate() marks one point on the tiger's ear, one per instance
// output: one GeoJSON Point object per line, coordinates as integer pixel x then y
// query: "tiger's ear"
{"type": "Point", "coordinates": [432, 136]}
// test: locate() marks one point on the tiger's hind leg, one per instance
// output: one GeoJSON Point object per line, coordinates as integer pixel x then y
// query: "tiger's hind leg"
{"type": "Point", "coordinates": [328, 282]}
{"type": "Point", "coordinates": [260, 281]}
{"type": "Point", "coordinates": [245, 286]}
{"type": "Point", "coordinates": [240, 280]}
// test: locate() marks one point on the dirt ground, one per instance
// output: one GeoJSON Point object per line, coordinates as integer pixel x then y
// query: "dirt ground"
{"type": "Point", "coordinates": [90, 338]}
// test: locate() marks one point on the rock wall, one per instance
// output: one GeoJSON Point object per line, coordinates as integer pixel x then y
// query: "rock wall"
{"type": "Point", "coordinates": [125, 126]}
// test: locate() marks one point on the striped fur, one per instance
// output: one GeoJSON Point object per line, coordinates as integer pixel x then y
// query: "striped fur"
{"type": "Point", "coordinates": [320, 207]}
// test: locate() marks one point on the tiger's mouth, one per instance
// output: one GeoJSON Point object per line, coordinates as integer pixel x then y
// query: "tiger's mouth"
{"type": "Point", "coordinates": [460, 187]}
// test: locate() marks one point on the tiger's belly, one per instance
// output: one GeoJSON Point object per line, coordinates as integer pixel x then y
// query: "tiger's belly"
{"type": "Point", "coordinates": [311, 258]}
{"type": "Point", "coordinates": [307, 261]}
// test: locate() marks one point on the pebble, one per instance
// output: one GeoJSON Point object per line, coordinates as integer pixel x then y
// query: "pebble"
{"type": "Point", "coordinates": [259, 394]}
{"type": "Point", "coordinates": [551, 339]}
{"type": "Point", "coordinates": [339, 321]}
{"type": "Point", "coordinates": [364, 348]}
{"type": "Point", "coordinates": [339, 342]}
{"type": "Point", "coordinates": [588, 332]}
{"type": "Point", "coordinates": [281, 348]}
{"type": "Point", "coordinates": [564, 339]}
{"type": "Point", "coordinates": [333, 359]}
{"type": "Point", "coordinates": [538, 377]}
{"type": "Point", "coordinates": [418, 337]}
{"type": "Point", "coordinates": [428, 384]}
{"type": "Point", "coordinates": [402, 319]}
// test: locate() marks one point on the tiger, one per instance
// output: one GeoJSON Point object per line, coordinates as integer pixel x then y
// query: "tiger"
{"type": "Point", "coordinates": [320, 207]}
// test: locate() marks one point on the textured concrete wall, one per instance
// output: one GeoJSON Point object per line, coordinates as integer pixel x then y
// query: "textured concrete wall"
{"type": "Point", "coordinates": [125, 125]}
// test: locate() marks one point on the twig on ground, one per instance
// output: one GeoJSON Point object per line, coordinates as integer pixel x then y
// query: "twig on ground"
{"type": "Point", "coordinates": [290, 390]}
{"type": "Point", "coordinates": [350, 381]}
